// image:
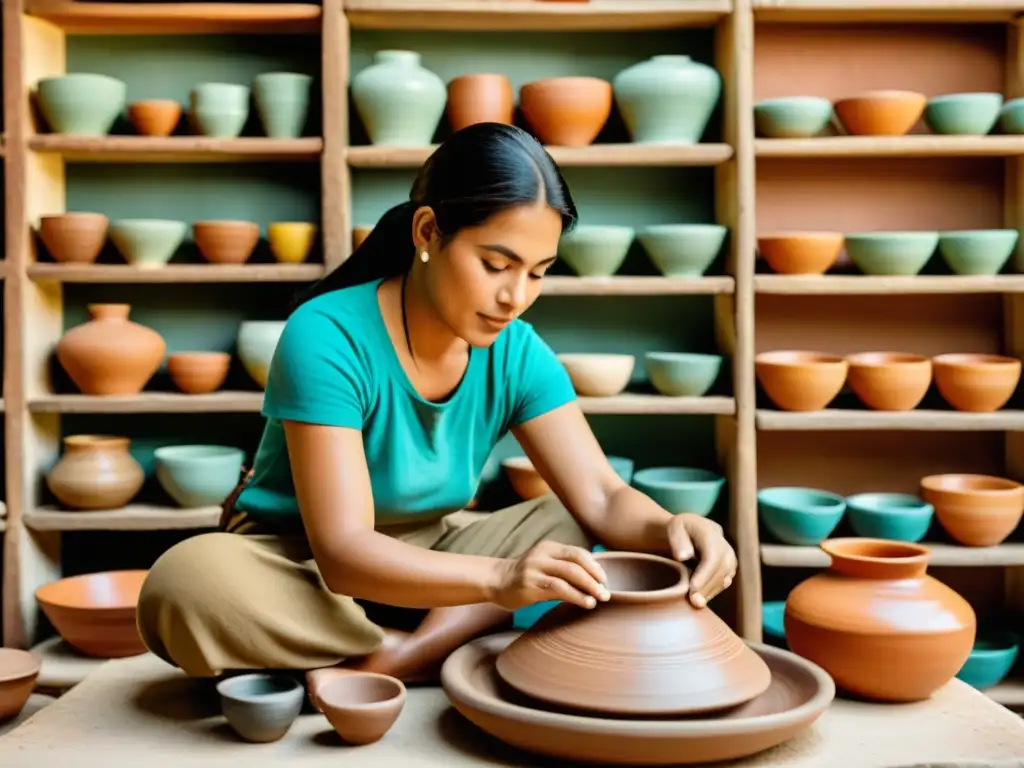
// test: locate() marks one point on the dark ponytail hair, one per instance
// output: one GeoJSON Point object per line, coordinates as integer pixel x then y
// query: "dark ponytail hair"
{"type": "Point", "coordinates": [477, 172]}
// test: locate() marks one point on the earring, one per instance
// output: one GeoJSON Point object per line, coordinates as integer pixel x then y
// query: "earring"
{"type": "Point", "coordinates": [424, 257]}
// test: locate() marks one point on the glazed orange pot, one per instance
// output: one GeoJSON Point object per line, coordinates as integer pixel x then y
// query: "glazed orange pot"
{"type": "Point", "coordinates": [566, 111]}
{"type": "Point", "coordinates": [881, 113]}
{"type": "Point", "coordinates": [975, 510]}
{"type": "Point", "coordinates": [979, 383]}
{"type": "Point", "coordinates": [889, 381]}
{"type": "Point", "coordinates": [481, 98]}
{"type": "Point", "coordinates": [801, 253]}
{"type": "Point", "coordinates": [878, 623]}
{"type": "Point", "coordinates": [796, 380]}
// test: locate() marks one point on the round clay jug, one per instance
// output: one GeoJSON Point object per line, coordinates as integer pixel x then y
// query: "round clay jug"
{"type": "Point", "coordinates": [646, 651]}
{"type": "Point", "coordinates": [95, 472]}
{"type": "Point", "coordinates": [667, 98]}
{"type": "Point", "coordinates": [110, 354]}
{"type": "Point", "coordinates": [878, 624]}
{"type": "Point", "coordinates": [399, 101]}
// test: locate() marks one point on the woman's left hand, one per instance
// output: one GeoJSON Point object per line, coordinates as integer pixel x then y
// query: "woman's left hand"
{"type": "Point", "coordinates": [690, 534]}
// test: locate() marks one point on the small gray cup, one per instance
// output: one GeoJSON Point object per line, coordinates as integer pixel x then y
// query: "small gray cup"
{"type": "Point", "coordinates": [261, 707]}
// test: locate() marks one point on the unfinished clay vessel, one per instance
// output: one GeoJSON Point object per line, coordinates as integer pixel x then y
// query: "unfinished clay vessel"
{"type": "Point", "coordinates": [360, 706]}
{"type": "Point", "coordinates": [480, 98]}
{"type": "Point", "coordinates": [975, 510]}
{"type": "Point", "coordinates": [110, 354]}
{"type": "Point", "coordinates": [198, 373]}
{"type": "Point", "coordinates": [566, 111]}
{"type": "Point", "coordinates": [74, 238]}
{"type": "Point", "coordinates": [889, 381]}
{"type": "Point", "coordinates": [878, 623]}
{"type": "Point", "coordinates": [800, 253]}
{"type": "Point", "coordinates": [797, 380]}
{"type": "Point", "coordinates": [18, 672]}
{"type": "Point", "coordinates": [647, 651]}
{"type": "Point", "coordinates": [95, 472]}
{"type": "Point", "coordinates": [979, 383]}
{"type": "Point", "coordinates": [226, 242]}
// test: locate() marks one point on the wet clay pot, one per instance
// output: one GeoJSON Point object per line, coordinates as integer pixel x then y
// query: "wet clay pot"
{"type": "Point", "coordinates": [975, 510]}
{"type": "Point", "coordinates": [979, 383]}
{"type": "Point", "coordinates": [889, 381]}
{"type": "Point", "coordinates": [110, 354]}
{"type": "Point", "coordinates": [646, 651]}
{"type": "Point", "coordinates": [95, 472]}
{"type": "Point", "coordinates": [74, 238]}
{"type": "Point", "coordinates": [566, 111]}
{"type": "Point", "coordinates": [481, 98]}
{"type": "Point", "coordinates": [878, 623]}
{"type": "Point", "coordinates": [797, 380]}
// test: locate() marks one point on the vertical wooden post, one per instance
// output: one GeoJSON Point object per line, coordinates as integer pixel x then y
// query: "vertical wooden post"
{"type": "Point", "coordinates": [336, 223]}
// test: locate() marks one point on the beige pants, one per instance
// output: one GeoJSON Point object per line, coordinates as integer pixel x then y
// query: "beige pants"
{"type": "Point", "coordinates": [226, 601]}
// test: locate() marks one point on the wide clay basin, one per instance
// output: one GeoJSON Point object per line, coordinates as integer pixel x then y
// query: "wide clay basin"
{"type": "Point", "coordinates": [798, 380]}
{"type": "Point", "coordinates": [889, 381]}
{"type": "Point", "coordinates": [976, 382]}
{"type": "Point", "coordinates": [975, 510]}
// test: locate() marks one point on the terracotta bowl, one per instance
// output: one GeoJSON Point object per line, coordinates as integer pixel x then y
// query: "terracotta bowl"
{"type": "Point", "coordinates": [362, 706]}
{"type": "Point", "coordinates": [801, 253]}
{"type": "Point", "coordinates": [524, 477]}
{"type": "Point", "coordinates": [18, 672]}
{"type": "Point", "coordinates": [566, 111]}
{"type": "Point", "coordinates": [881, 113]}
{"type": "Point", "coordinates": [975, 510]}
{"type": "Point", "coordinates": [598, 375]}
{"type": "Point", "coordinates": [889, 381]}
{"type": "Point", "coordinates": [155, 117]}
{"type": "Point", "coordinates": [797, 380]}
{"type": "Point", "coordinates": [197, 373]}
{"type": "Point", "coordinates": [226, 242]}
{"type": "Point", "coordinates": [74, 238]}
{"type": "Point", "coordinates": [359, 234]}
{"type": "Point", "coordinates": [95, 612]}
{"type": "Point", "coordinates": [976, 382]}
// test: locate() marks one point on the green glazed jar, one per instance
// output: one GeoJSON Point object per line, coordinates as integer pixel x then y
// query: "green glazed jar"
{"type": "Point", "coordinates": [399, 101]}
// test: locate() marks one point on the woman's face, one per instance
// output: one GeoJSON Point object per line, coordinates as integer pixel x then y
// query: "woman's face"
{"type": "Point", "coordinates": [487, 276]}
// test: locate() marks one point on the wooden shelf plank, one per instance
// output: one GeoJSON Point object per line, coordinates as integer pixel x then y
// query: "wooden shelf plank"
{"type": "Point", "coordinates": [521, 15]}
{"type": "Point", "coordinates": [788, 556]}
{"type": "Point", "coordinates": [658, 405]}
{"type": "Point", "coordinates": [847, 285]}
{"type": "Point", "coordinates": [635, 286]}
{"type": "Point", "coordinates": [857, 11]}
{"type": "Point", "coordinates": [892, 146]}
{"type": "Point", "coordinates": [1009, 693]}
{"type": "Point", "coordinates": [919, 420]}
{"type": "Point", "coordinates": [594, 155]}
{"type": "Point", "coordinates": [177, 273]}
{"type": "Point", "coordinates": [135, 517]}
{"type": "Point", "coordinates": [173, 149]}
{"type": "Point", "coordinates": [195, 18]}
{"type": "Point", "coordinates": [150, 402]}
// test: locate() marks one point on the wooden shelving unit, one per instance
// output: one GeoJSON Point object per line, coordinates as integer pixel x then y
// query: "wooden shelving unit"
{"type": "Point", "coordinates": [836, 182]}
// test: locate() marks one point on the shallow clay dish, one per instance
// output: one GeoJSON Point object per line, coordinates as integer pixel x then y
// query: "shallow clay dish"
{"type": "Point", "coordinates": [799, 693]}
{"type": "Point", "coordinates": [976, 510]}
{"type": "Point", "coordinates": [95, 612]}
{"type": "Point", "coordinates": [881, 113]}
{"type": "Point", "coordinates": [801, 253]}
{"type": "Point", "coordinates": [524, 477]}
{"type": "Point", "coordinates": [976, 382]}
{"type": "Point", "coordinates": [18, 672]}
{"type": "Point", "coordinates": [646, 651]}
{"type": "Point", "coordinates": [797, 380]}
{"type": "Point", "coordinates": [889, 381]}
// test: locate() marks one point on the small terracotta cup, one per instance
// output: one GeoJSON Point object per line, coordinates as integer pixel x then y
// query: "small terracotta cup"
{"type": "Point", "coordinates": [889, 381]}
{"type": "Point", "coordinates": [524, 477]}
{"type": "Point", "coordinates": [18, 672]}
{"type": "Point", "coordinates": [566, 111]}
{"type": "Point", "coordinates": [155, 117]}
{"type": "Point", "coordinates": [798, 380]}
{"type": "Point", "coordinates": [975, 510]}
{"type": "Point", "coordinates": [74, 238]}
{"type": "Point", "coordinates": [361, 706]}
{"type": "Point", "coordinates": [480, 98]}
{"type": "Point", "coordinates": [801, 253]}
{"type": "Point", "coordinates": [976, 382]}
{"type": "Point", "coordinates": [226, 242]}
{"type": "Point", "coordinates": [197, 373]}
{"type": "Point", "coordinates": [881, 113]}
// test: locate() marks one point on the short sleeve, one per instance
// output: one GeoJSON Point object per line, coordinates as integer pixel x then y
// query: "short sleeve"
{"type": "Point", "coordinates": [317, 374]}
{"type": "Point", "coordinates": [542, 384]}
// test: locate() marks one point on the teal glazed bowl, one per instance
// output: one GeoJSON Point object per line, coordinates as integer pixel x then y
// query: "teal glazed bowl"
{"type": "Point", "coordinates": [594, 250]}
{"type": "Point", "coordinates": [680, 489]}
{"type": "Point", "coordinates": [800, 516]}
{"type": "Point", "coordinates": [198, 475]}
{"type": "Point", "coordinates": [682, 374]}
{"type": "Point", "coordinates": [891, 253]}
{"type": "Point", "coordinates": [894, 516]}
{"type": "Point", "coordinates": [772, 624]}
{"type": "Point", "coordinates": [964, 114]}
{"type": "Point", "coordinates": [682, 250]}
{"type": "Point", "coordinates": [978, 251]}
{"type": "Point", "coordinates": [1011, 116]}
{"type": "Point", "coordinates": [792, 117]}
{"type": "Point", "coordinates": [623, 468]}
{"type": "Point", "coordinates": [993, 656]}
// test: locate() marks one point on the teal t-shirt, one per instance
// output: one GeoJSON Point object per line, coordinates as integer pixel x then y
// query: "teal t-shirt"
{"type": "Point", "coordinates": [335, 364]}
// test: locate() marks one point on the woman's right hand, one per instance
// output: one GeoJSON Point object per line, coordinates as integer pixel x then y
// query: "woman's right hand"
{"type": "Point", "coordinates": [549, 571]}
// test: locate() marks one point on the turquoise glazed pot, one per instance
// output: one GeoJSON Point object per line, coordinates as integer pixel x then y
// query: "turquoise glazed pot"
{"type": "Point", "coordinates": [801, 516]}
{"type": "Point", "coordinates": [682, 374]}
{"type": "Point", "coordinates": [680, 489]}
{"type": "Point", "coordinates": [993, 656]}
{"type": "Point", "coordinates": [623, 467]}
{"type": "Point", "coordinates": [1011, 116]}
{"type": "Point", "coordinates": [81, 103]}
{"type": "Point", "coordinates": [683, 250]}
{"type": "Point", "coordinates": [978, 251]}
{"type": "Point", "coordinates": [282, 102]}
{"type": "Point", "coordinates": [667, 99]}
{"type": "Point", "coordinates": [219, 110]}
{"type": "Point", "coordinates": [147, 243]}
{"type": "Point", "coordinates": [795, 117]}
{"type": "Point", "coordinates": [964, 114]}
{"type": "Point", "coordinates": [399, 101]}
{"type": "Point", "coordinates": [595, 250]}
{"type": "Point", "coordinates": [198, 475]}
{"type": "Point", "coordinates": [772, 625]}
{"type": "Point", "coordinates": [256, 342]}
{"type": "Point", "coordinates": [894, 516]}
{"type": "Point", "coordinates": [891, 253]}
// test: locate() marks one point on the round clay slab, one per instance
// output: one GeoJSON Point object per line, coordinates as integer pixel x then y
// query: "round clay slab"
{"type": "Point", "coordinates": [799, 693]}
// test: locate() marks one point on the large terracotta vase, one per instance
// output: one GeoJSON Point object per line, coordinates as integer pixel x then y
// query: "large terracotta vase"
{"type": "Point", "coordinates": [878, 624]}
{"type": "Point", "coordinates": [95, 472]}
{"type": "Point", "coordinates": [399, 101]}
{"type": "Point", "coordinates": [110, 354]}
{"type": "Point", "coordinates": [667, 98]}
{"type": "Point", "coordinates": [646, 651]}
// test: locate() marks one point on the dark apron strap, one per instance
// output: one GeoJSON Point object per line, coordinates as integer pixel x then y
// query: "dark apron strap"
{"type": "Point", "coordinates": [230, 520]}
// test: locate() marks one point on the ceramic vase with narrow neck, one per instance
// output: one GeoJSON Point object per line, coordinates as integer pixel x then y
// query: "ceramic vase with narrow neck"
{"type": "Point", "coordinates": [667, 99]}
{"type": "Point", "coordinates": [878, 623]}
{"type": "Point", "coordinates": [95, 472]}
{"type": "Point", "coordinates": [399, 101]}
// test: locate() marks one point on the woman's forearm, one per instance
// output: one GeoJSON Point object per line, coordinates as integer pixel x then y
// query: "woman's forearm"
{"type": "Point", "coordinates": [631, 521]}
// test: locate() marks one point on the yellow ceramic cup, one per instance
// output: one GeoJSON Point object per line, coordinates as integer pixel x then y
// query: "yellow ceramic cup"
{"type": "Point", "coordinates": [291, 241]}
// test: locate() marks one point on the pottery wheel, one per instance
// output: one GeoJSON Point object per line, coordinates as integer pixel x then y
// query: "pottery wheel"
{"type": "Point", "coordinates": [799, 693]}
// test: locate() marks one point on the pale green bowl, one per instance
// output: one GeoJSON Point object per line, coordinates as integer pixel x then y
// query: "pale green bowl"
{"type": "Point", "coordinates": [978, 251]}
{"type": "Point", "coordinates": [1011, 116]}
{"type": "Point", "coordinates": [682, 374]}
{"type": "Point", "coordinates": [198, 475]}
{"type": "Point", "coordinates": [891, 253]}
{"type": "Point", "coordinates": [595, 250]}
{"type": "Point", "coordinates": [147, 243]}
{"type": "Point", "coordinates": [793, 117]}
{"type": "Point", "coordinates": [683, 250]}
{"type": "Point", "coordinates": [964, 114]}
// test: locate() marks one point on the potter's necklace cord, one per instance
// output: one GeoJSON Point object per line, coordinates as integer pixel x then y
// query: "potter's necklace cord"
{"type": "Point", "coordinates": [405, 319]}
